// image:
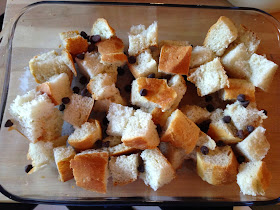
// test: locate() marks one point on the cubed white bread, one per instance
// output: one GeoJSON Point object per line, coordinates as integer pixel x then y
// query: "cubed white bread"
{"type": "Point", "coordinates": [140, 131]}
{"type": "Point", "coordinates": [236, 87]}
{"type": "Point", "coordinates": [158, 116]}
{"type": "Point", "coordinates": [195, 113]}
{"type": "Point", "coordinates": [218, 167]}
{"type": "Point", "coordinates": [178, 83]}
{"type": "Point", "coordinates": [37, 116]}
{"type": "Point", "coordinates": [209, 78]}
{"type": "Point", "coordinates": [235, 62]}
{"type": "Point", "coordinates": [242, 117]}
{"type": "Point", "coordinates": [41, 154]}
{"type": "Point", "coordinates": [255, 146]}
{"type": "Point", "coordinates": [249, 38]}
{"type": "Point", "coordinates": [73, 42]}
{"type": "Point", "coordinates": [118, 116]}
{"type": "Point", "coordinates": [124, 169]}
{"type": "Point", "coordinates": [91, 65]}
{"type": "Point", "coordinates": [173, 42]}
{"type": "Point", "coordinates": [57, 87]}
{"type": "Point", "coordinates": [62, 157]}
{"type": "Point", "coordinates": [158, 171]}
{"type": "Point", "coordinates": [85, 136]}
{"type": "Point", "coordinates": [159, 94]}
{"type": "Point", "coordinates": [78, 110]}
{"type": "Point", "coordinates": [90, 170]}
{"type": "Point", "coordinates": [121, 149]}
{"type": "Point", "coordinates": [220, 35]}
{"type": "Point", "coordinates": [205, 140]}
{"type": "Point", "coordinates": [175, 59]}
{"type": "Point", "coordinates": [141, 38]}
{"type": "Point", "coordinates": [102, 86]}
{"type": "Point", "coordinates": [104, 104]}
{"type": "Point", "coordinates": [102, 28]}
{"type": "Point", "coordinates": [113, 140]}
{"type": "Point", "coordinates": [219, 130]}
{"type": "Point", "coordinates": [144, 65]}
{"type": "Point", "coordinates": [253, 178]}
{"type": "Point", "coordinates": [46, 65]}
{"type": "Point", "coordinates": [201, 55]}
{"type": "Point", "coordinates": [180, 131]}
{"type": "Point", "coordinates": [263, 71]}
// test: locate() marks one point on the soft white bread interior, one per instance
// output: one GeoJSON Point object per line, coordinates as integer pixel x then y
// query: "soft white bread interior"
{"type": "Point", "coordinates": [102, 28]}
{"type": "Point", "coordinates": [201, 55]}
{"type": "Point", "coordinates": [178, 83]}
{"type": "Point", "coordinates": [195, 113]}
{"type": "Point", "coordinates": [205, 140]}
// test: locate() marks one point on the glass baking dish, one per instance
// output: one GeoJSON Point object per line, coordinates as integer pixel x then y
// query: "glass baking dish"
{"type": "Point", "coordinates": [35, 30]}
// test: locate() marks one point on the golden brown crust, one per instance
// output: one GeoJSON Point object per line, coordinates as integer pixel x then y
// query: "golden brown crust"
{"type": "Point", "coordinates": [76, 45]}
{"type": "Point", "coordinates": [83, 144]}
{"type": "Point", "coordinates": [46, 88]}
{"type": "Point", "coordinates": [122, 151]}
{"type": "Point", "coordinates": [140, 143]}
{"type": "Point", "coordinates": [90, 171]}
{"type": "Point", "coordinates": [175, 59]}
{"type": "Point", "coordinates": [116, 58]}
{"type": "Point", "coordinates": [264, 177]}
{"type": "Point", "coordinates": [160, 117]}
{"type": "Point", "coordinates": [110, 46]}
{"type": "Point", "coordinates": [64, 169]}
{"type": "Point", "coordinates": [72, 64]}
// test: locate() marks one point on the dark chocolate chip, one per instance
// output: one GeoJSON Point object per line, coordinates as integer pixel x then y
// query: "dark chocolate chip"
{"type": "Point", "coordinates": [61, 107]}
{"type": "Point", "coordinates": [153, 75]}
{"type": "Point", "coordinates": [210, 108]}
{"type": "Point", "coordinates": [85, 92]}
{"type": "Point", "coordinates": [265, 112]}
{"type": "Point", "coordinates": [250, 128]}
{"type": "Point", "coordinates": [240, 134]}
{"type": "Point", "coordinates": [91, 48]}
{"type": "Point", "coordinates": [167, 77]}
{"type": "Point", "coordinates": [65, 100]}
{"type": "Point", "coordinates": [159, 129]}
{"type": "Point", "coordinates": [227, 119]}
{"type": "Point", "coordinates": [141, 168]}
{"type": "Point", "coordinates": [28, 168]}
{"type": "Point", "coordinates": [204, 126]}
{"type": "Point", "coordinates": [105, 121]}
{"type": "Point", "coordinates": [84, 34]}
{"type": "Point", "coordinates": [135, 107]}
{"type": "Point", "coordinates": [83, 80]}
{"type": "Point", "coordinates": [8, 123]}
{"type": "Point", "coordinates": [241, 97]}
{"type": "Point", "coordinates": [126, 68]}
{"type": "Point", "coordinates": [98, 144]}
{"type": "Point", "coordinates": [131, 59]}
{"type": "Point", "coordinates": [220, 143]}
{"type": "Point", "coordinates": [185, 78]}
{"type": "Point", "coordinates": [245, 103]}
{"type": "Point", "coordinates": [143, 92]}
{"type": "Point", "coordinates": [204, 150]}
{"type": "Point", "coordinates": [95, 39]}
{"type": "Point", "coordinates": [121, 71]}
{"type": "Point", "coordinates": [76, 89]}
{"type": "Point", "coordinates": [81, 56]}
{"type": "Point", "coordinates": [106, 144]}
{"type": "Point", "coordinates": [240, 159]}
{"type": "Point", "coordinates": [208, 98]}
{"type": "Point", "coordinates": [127, 88]}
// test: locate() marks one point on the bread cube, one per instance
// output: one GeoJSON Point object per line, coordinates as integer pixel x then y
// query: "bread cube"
{"type": "Point", "coordinates": [178, 83]}
{"type": "Point", "coordinates": [102, 28]}
{"type": "Point", "coordinates": [121, 149]}
{"type": "Point", "coordinates": [180, 131]}
{"type": "Point", "coordinates": [209, 78]}
{"type": "Point", "coordinates": [140, 131]}
{"type": "Point", "coordinates": [201, 55]}
{"type": "Point", "coordinates": [37, 116]}
{"type": "Point", "coordinates": [263, 71]}
{"type": "Point", "coordinates": [218, 167]}
{"type": "Point", "coordinates": [195, 113]}
{"type": "Point", "coordinates": [220, 35]}
{"type": "Point", "coordinates": [46, 65]}
{"type": "Point", "coordinates": [205, 140]}
{"type": "Point", "coordinates": [158, 171]}
{"type": "Point", "coordinates": [90, 170]}
{"type": "Point", "coordinates": [62, 156]}
{"type": "Point", "coordinates": [73, 42]}
{"type": "Point", "coordinates": [141, 38]}
{"type": "Point", "coordinates": [158, 116]}
{"type": "Point", "coordinates": [173, 42]}
{"type": "Point", "coordinates": [78, 110]}
{"type": "Point", "coordinates": [104, 104]}
{"type": "Point", "coordinates": [253, 178]}
{"type": "Point", "coordinates": [124, 169]}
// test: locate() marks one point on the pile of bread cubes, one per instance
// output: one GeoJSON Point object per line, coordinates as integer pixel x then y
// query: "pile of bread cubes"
{"type": "Point", "coordinates": [150, 135]}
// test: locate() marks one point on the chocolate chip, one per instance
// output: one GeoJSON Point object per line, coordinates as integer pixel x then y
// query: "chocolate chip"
{"type": "Point", "coordinates": [8, 124]}
{"type": "Point", "coordinates": [98, 144]}
{"type": "Point", "coordinates": [265, 112]}
{"type": "Point", "coordinates": [204, 150]}
{"type": "Point", "coordinates": [127, 88]}
{"type": "Point", "coordinates": [220, 143]}
{"type": "Point", "coordinates": [65, 100]}
{"type": "Point", "coordinates": [131, 59]}
{"type": "Point", "coordinates": [76, 89]}
{"type": "Point", "coordinates": [240, 159]}
{"type": "Point", "coordinates": [141, 168]}
{"type": "Point", "coordinates": [153, 75]}
{"type": "Point", "coordinates": [81, 56]}
{"type": "Point", "coordinates": [106, 144]}
{"type": "Point", "coordinates": [208, 98]}
{"type": "Point", "coordinates": [167, 77]}
{"type": "Point", "coordinates": [83, 80]}
{"type": "Point", "coordinates": [204, 126]}
{"type": "Point", "coordinates": [121, 71]}
{"type": "Point", "coordinates": [126, 68]}
{"type": "Point", "coordinates": [143, 92]}
{"type": "Point", "coordinates": [105, 121]}
{"type": "Point", "coordinates": [250, 128]}
{"type": "Point", "coordinates": [84, 34]}
{"type": "Point", "coordinates": [28, 168]}
{"type": "Point", "coordinates": [85, 92]}
{"type": "Point", "coordinates": [61, 107]}
{"type": "Point", "coordinates": [91, 48]}
{"type": "Point", "coordinates": [95, 39]}
{"type": "Point", "coordinates": [240, 134]}
{"type": "Point", "coordinates": [185, 78]}
{"type": "Point", "coordinates": [227, 119]}
{"type": "Point", "coordinates": [245, 103]}
{"type": "Point", "coordinates": [210, 108]}
{"type": "Point", "coordinates": [241, 97]}
{"type": "Point", "coordinates": [159, 129]}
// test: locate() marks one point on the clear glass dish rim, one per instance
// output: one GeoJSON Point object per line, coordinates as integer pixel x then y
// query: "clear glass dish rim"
{"type": "Point", "coordinates": [119, 201]}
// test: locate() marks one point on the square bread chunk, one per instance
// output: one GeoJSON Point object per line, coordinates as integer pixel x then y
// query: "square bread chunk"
{"type": "Point", "coordinates": [159, 94]}
{"type": "Point", "coordinates": [220, 35]}
{"type": "Point", "coordinates": [78, 110]}
{"type": "Point", "coordinates": [236, 87]}
{"type": "Point", "coordinates": [178, 83]}
{"type": "Point", "coordinates": [263, 71]}
{"type": "Point", "coordinates": [175, 59]}
{"type": "Point", "coordinates": [180, 131]}
{"type": "Point", "coordinates": [121, 149]}
{"type": "Point", "coordinates": [253, 178]}
{"type": "Point", "coordinates": [255, 146]}
{"type": "Point", "coordinates": [37, 116]}
{"type": "Point", "coordinates": [205, 140]}
{"type": "Point", "coordinates": [104, 104]}
{"type": "Point", "coordinates": [73, 42]}
{"type": "Point", "coordinates": [118, 117]}
{"type": "Point", "coordinates": [217, 167]}
{"type": "Point", "coordinates": [140, 131]}
{"type": "Point", "coordinates": [195, 113]}
{"type": "Point", "coordinates": [85, 136]}
{"type": "Point", "coordinates": [141, 38]}
{"type": "Point", "coordinates": [158, 116]}
{"type": "Point", "coordinates": [209, 78]}
{"type": "Point", "coordinates": [62, 156]}
{"type": "Point", "coordinates": [158, 171]}
{"type": "Point", "coordinates": [46, 65]}
{"type": "Point", "coordinates": [102, 28]}
{"type": "Point", "coordinates": [90, 170]}
{"type": "Point", "coordinates": [201, 55]}
{"type": "Point", "coordinates": [124, 169]}
{"type": "Point", "coordinates": [57, 87]}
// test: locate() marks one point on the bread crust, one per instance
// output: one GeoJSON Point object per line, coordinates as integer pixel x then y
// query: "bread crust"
{"type": "Point", "coordinates": [140, 142]}
{"type": "Point", "coordinates": [64, 169]}
{"type": "Point", "coordinates": [75, 44]}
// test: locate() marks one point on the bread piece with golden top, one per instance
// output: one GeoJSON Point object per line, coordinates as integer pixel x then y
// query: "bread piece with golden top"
{"type": "Point", "coordinates": [121, 149]}
{"type": "Point", "coordinates": [102, 28]}
{"type": "Point", "coordinates": [201, 55]}
{"type": "Point", "coordinates": [158, 116]}
{"type": "Point", "coordinates": [195, 113]}
{"type": "Point", "coordinates": [205, 140]}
